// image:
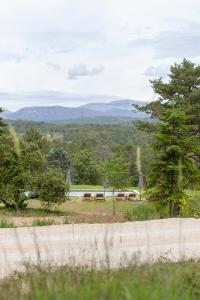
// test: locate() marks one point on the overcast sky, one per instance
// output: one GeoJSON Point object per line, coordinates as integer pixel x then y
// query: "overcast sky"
{"type": "Point", "coordinates": [70, 52]}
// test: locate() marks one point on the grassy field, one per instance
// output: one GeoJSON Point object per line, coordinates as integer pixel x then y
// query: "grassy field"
{"type": "Point", "coordinates": [161, 280]}
{"type": "Point", "coordinates": [77, 211]}
{"type": "Point", "coordinates": [76, 206]}
{"type": "Point", "coordinates": [34, 210]}
{"type": "Point", "coordinates": [95, 187]}
{"type": "Point", "coordinates": [86, 187]}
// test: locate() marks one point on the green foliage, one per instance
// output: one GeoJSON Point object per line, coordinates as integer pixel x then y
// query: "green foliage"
{"type": "Point", "coordinates": [117, 172]}
{"type": "Point", "coordinates": [33, 159]}
{"type": "Point", "coordinates": [5, 224]}
{"type": "Point", "coordinates": [58, 158]}
{"type": "Point", "coordinates": [143, 212]}
{"type": "Point", "coordinates": [20, 164]}
{"type": "Point", "coordinates": [176, 136]}
{"type": "Point", "coordinates": [51, 187]}
{"type": "Point", "coordinates": [95, 135]}
{"type": "Point", "coordinates": [101, 141]}
{"type": "Point", "coordinates": [86, 168]}
{"type": "Point", "coordinates": [43, 222]}
{"type": "Point", "coordinates": [34, 136]}
{"type": "Point", "coordinates": [40, 213]}
{"type": "Point", "coordinates": [14, 179]}
{"type": "Point", "coordinates": [2, 123]}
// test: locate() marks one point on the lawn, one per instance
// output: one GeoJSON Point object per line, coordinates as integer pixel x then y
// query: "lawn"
{"type": "Point", "coordinates": [161, 280]}
{"type": "Point", "coordinates": [95, 187]}
{"type": "Point", "coordinates": [33, 210]}
{"type": "Point", "coordinates": [86, 187]}
{"type": "Point", "coordinates": [75, 205]}
{"type": "Point", "coordinates": [77, 211]}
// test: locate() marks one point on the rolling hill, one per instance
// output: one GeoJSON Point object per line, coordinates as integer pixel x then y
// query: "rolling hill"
{"type": "Point", "coordinates": [116, 109]}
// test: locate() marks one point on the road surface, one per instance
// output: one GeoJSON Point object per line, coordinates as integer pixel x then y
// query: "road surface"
{"type": "Point", "coordinates": [99, 244]}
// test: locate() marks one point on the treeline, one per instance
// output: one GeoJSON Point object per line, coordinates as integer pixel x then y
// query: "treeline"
{"type": "Point", "coordinates": [35, 161]}
{"type": "Point", "coordinates": [104, 134]}
{"type": "Point", "coordinates": [88, 147]}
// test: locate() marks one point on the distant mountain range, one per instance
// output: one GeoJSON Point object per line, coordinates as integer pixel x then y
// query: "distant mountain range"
{"type": "Point", "coordinates": [117, 108]}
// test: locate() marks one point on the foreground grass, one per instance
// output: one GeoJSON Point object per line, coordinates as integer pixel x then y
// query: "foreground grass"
{"type": "Point", "coordinates": [162, 280]}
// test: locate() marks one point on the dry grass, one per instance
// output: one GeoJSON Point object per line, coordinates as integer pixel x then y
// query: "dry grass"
{"type": "Point", "coordinates": [76, 206]}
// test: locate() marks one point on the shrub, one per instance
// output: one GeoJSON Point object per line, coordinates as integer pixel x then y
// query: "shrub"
{"type": "Point", "coordinates": [142, 212]}
{"type": "Point", "coordinates": [52, 187]}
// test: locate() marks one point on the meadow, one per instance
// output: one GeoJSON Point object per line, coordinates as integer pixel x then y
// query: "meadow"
{"type": "Point", "coordinates": [77, 211]}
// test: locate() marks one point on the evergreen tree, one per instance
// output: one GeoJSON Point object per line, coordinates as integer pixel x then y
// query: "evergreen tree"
{"type": "Point", "coordinates": [86, 168]}
{"type": "Point", "coordinates": [33, 135]}
{"type": "Point", "coordinates": [15, 180]}
{"type": "Point", "coordinates": [2, 124]}
{"type": "Point", "coordinates": [117, 172]}
{"type": "Point", "coordinates": [58, 158]}
{"type": "Point", "coordinates": [176, 136]}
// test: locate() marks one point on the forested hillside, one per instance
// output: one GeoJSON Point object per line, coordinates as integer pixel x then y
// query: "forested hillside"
{"type": "Point", "coordinates": [93, 133]}
{"type": "Point", "coordinates": [88, 147]}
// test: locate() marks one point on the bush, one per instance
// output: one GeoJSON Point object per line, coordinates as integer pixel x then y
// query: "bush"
{"type": "Point", "coordinates": [142, 212]}
{"type": "Point", "coordinates": [52, 187]}
{"type": "Point", "coordinates": [42, 222]}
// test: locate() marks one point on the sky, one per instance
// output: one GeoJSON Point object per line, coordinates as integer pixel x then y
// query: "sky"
{"type": "Point", "coordinates": [71, 52]}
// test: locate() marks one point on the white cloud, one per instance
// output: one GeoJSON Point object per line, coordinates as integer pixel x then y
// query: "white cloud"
{"type": "Point", "coordinates": [42, 41]}
{"type": "Point", "coordinates": [82, 70]}
{"type": "Point", "coordinates": [157, 71]}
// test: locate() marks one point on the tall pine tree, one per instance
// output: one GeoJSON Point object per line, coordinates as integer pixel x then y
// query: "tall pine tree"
{"type": "Point", "coordinates": [2, 124]}
{"type": "Point", "coordinates": [176, 136]}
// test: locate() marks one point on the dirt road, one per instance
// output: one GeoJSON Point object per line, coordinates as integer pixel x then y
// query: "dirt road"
{"type": "Point", "coordinates": [99, 244]}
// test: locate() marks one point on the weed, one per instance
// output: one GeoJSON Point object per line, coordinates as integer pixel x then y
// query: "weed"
{"type": "Point", "coordinates": [5, 224]}
{"type": "Point", "coordinates": [43, 222]}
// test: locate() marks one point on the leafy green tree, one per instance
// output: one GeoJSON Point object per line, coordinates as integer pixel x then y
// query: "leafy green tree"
{"type": "Point", "coordinates": [58, 158]}
{"type": "Point", "coordinates": [34, 162]}
{"type": "Point", "coordinates": [116, 170]}
{"type": "Point", "coordinates": [176, 136]}
{"type": "Point", "coordinates": [32, 157]}
{"type": "Point", "coordinates": [52, 187]}
{"type": "Point", "coordinates": [14, 179]}
{"type": "Point", "coordinates": [2, 123]}
{"type": "Point", "coordinates": [33, 135]}
{"type": "Point", "coordinates": [86, 168]}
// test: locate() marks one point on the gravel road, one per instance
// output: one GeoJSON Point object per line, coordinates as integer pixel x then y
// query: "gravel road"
{"type": "Point", "coordinates": [99, 244]}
